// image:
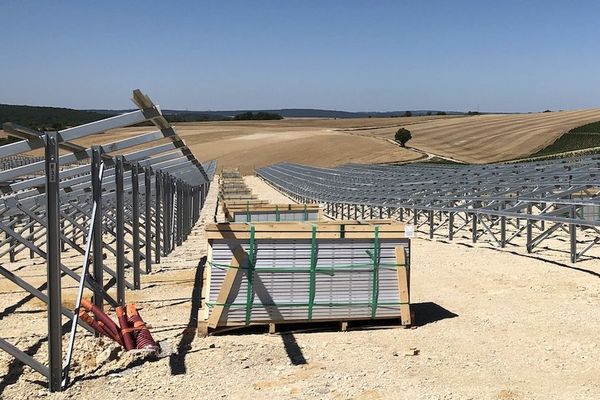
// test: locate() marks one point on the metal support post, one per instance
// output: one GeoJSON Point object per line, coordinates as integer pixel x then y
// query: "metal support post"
{"type": "Point", "coordinates": [53, 263]}
{"type": "Point", "coordinates": [157, 215]}
{"type": "Point", "coordinates": [503, 227]}
{"type": "Point", "coordinates": [166, 215]}
{"type": "Point", "coordinates": [573, 236]}
{"type": "Point", "coordinates": [13, 243]}
{"type": "Point", "coordinates": [97, 255]}
{"type": "Point", "coordinates": [431, 224]}
{"type": "Point", "coordinates": [148, 215]}
{"type": "Point", "coordinates": [179, 226]}
{"type": "Point", "coordinates": [135, 199]}
{"type": "Point", "coordinates": [31, 236]}
{"type": "Point", "coordinates": [120, 231]}
{"type": "Point", "coordinates": [529, 231]}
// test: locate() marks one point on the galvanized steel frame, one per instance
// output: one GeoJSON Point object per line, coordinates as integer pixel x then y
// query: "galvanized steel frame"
{"type": "Point", "coordinates": [48, 201]}
{"type": "Point", "coordinates": [495, 202]}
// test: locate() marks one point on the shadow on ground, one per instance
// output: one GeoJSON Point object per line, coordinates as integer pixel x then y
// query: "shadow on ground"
{"type": "Point", "coordinates": [177, 360]}
{"type": "Point", "coordinates": [428, 312]}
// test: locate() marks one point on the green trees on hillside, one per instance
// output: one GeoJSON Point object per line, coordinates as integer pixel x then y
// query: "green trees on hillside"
{"type": "Point", "coordinates": [46, 118]}
{"type": "Point", "coordinates": [250, 116]}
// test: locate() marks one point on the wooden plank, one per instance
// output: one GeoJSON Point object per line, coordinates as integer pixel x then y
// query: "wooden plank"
{"type": "Point", "coordinates": [316, 322]}
{"type": "Point", "coordinates": [228, 197]}
{"type": "Point", "coordinates": [202, 328]}
{"type": "Point", "coordinates": [292, 226]}
{"type": "Point", "coordinates": [275, 235]}
{"type": "Point", "coordinates": [272, 207]}
{"type": "Point", "coordinates": [403, 285]}
{"type": "Point", "coordinates": [225, 293]}
{"type": "Point", "coordinates": [206, 284]}
{"type": "Point", "coordinates": [301, 230]}
{"type": "Point", "coordinates": [235, 203]}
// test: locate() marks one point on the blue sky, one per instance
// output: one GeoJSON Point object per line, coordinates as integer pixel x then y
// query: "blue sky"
{"type": "Point", "coordinates": [351, 55]}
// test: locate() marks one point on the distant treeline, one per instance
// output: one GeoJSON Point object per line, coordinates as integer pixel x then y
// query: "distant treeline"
{"type": "Point", "coordinates": [46, 118]}
{"type": "Point", "coordinates": [260, 116]}
{"type": "Point", "coordinates": [56, 118]}
{"type": "Point", "coordinates": [192, 116]}
{"type": "Point", "coordinates": [199, 116]}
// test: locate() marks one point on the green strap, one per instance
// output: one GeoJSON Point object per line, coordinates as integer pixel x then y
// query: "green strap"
{"type": "Point", "coordinates": [313, 270]}
{"type": "Point", "coordinates": [375, 278]}
{"type": "Point", "coordinates": [250, 275]}
{"type": "Point", "coordinates": [305, 213]}
{"type": "Point", "coordinates": [277, 216]}
{"type": "Point", "coordinates": [248, 218]}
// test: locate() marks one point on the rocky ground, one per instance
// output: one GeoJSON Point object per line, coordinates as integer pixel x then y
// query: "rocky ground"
{"type": "Point", "coordinates": [490, 325]}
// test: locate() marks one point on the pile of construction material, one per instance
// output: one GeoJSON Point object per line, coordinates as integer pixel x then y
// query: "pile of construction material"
{"type": "Point", "coordinates": [267, 270]}
{"type": "Point", "coordinates": [131, 331]}
{"type": "Point", "coordinates": [241, 205]}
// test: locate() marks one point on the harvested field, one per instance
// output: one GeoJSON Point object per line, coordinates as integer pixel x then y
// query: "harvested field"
{"type": "Point", "coordinates": [326, 142]}
{"type": "Point", "coordinates": [491, 138]}
{"type": "Point", "coordinates": [250, 146]}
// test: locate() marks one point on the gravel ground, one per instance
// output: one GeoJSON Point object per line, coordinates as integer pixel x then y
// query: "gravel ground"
{"type": "Point", "coordinates": [490, 325]}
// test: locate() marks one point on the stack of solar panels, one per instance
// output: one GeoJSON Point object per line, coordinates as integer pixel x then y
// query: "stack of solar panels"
{"type": "Point", "coordinates": [298, 272]}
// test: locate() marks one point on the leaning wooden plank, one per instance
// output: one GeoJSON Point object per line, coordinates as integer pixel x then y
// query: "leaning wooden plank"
{"type": "Point", "coordinates": [226, 293]}
{"type": "Point", "coordinates": [403, 285]}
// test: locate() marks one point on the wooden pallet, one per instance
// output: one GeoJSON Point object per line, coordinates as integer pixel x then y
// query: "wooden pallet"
{"type": "Point", "coordinates": [306, 326]}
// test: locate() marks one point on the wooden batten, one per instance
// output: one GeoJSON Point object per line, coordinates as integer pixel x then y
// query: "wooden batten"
{"type": "Point", "coordinates": [243, 203]}
{"type": "Point", "coordinates": [242, 207]}
{"type": "Point", "coordinates": [303, 230]}
{"type": "Point", "coordinates": [227, 197]}
{"type": "Point", "coordinates": [226, 290]}
{"type": "Point", "coordinates": [263, 212]}
{"type": "Point", "coordinates": [403, 285]}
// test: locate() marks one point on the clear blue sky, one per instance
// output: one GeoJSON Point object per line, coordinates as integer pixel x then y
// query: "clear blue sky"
{"type": "Point", "coordinates": [353, 55]}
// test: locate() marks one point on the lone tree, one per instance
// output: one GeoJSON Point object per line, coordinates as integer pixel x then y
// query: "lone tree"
{"type": "Point", "coordinates": [402, 136]}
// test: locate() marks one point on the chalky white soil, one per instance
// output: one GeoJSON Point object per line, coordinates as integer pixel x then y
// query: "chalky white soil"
{"type": "Point", "coordinates": [491, 325]}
